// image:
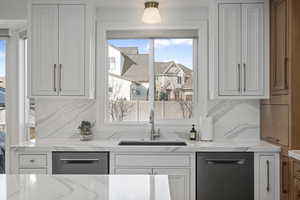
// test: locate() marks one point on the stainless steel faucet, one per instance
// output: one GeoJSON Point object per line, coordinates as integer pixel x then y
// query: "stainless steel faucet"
{"type": "Point", "coordinates": [153, 133]}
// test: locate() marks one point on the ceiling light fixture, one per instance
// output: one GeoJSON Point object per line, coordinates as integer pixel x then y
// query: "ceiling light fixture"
{"type": "Point", "coordinates": [151, 13]}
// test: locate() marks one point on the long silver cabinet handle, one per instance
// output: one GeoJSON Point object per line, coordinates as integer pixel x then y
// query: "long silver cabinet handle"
{"type": "Point", "coordinates": [60, 71]}
{"type": "Point", "coordinates": [79, 161]}
{"type": "Point", "coordinates": [67, 159]}
{"type": "Point", "coordinates": [239, 74]}
{"type": "Point", "coordinates": [54, 77]}
{"type": "Point", "coordinates": [245, 77]}
{"type": "Point", "coordinates": [268, 175]}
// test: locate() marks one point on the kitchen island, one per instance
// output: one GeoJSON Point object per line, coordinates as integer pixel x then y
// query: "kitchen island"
{"type": "Point", "coordinates": [87, 187]}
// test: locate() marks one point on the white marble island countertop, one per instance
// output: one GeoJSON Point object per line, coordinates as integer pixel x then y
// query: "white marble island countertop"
{"type": "Point", "coordinates": [87, 187]}
{"type": "Point", "coordinates": [112, 145]}
{"type": "Point", "coordinates": [294, 154]}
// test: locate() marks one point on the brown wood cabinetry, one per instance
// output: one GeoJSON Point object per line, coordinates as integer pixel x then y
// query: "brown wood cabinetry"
{"type": "Point", "coordinates": [275, 123]}
{"type": "Point", "coordinates": [296, 189]}
{"type": "Point", "coordinates": [279, 72]}
{"type": "Point", "coordinates": [285, 174]}
{"type": "Point", "coordinates": [295, 179]}
{"type": "Point", "coordinates": [280, 115]}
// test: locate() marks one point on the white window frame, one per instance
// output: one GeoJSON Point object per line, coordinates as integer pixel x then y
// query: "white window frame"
{"type": "Point", "coordinates": [24, 100]}
{"type": "Point", "coordinates": [200, 66]}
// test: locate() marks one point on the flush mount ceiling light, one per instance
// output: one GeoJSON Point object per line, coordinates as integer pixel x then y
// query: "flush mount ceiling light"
{"type": "Point", "coordinates": [151, 13]}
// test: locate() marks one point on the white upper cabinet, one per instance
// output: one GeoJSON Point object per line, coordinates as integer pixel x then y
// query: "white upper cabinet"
{"type": "Point", "coordinates": [44, 50]}
{"type": "Point", "coordinates": [240, 49]}
{"type": "Point", "coordinates": [230, 49]}
{"type": "Point", "coordinates": [62, 57]}
{"type": "Point", "coordinates": [253, 49]}
{"type": "Point", "coordinates": [71, 49]}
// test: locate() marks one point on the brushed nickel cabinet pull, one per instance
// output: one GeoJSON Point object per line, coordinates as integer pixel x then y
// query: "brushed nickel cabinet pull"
{"type": "Point", "coordinates": [284, 190]}
{"type": "Point", "coordinates": [268, 175]}
{"type": "Point", "coordinates": [244, 77]}
{"type": "Point", "coordinates": [60, 71]}
{"type": "Point", "coordinates": [286, 85]}
{"type": "Point", "coordinates": [54, 78]}
{"type": "Point", "coordinates": [239, 74]}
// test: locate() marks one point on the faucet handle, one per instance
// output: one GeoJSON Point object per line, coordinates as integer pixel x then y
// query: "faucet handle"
{"type": "Point", "coordinates": [157, 134]}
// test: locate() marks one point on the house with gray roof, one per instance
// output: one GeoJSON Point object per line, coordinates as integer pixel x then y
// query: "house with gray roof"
{"type": "Point", "coordinates": [173, 80]}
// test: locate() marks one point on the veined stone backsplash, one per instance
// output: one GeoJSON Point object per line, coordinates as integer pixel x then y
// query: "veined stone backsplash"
{"type": "Point", "coordinates": [233, 119]}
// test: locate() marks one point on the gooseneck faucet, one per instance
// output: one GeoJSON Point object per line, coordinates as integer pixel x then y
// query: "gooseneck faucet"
{"type": "Point", "coordinates": [153, 133]}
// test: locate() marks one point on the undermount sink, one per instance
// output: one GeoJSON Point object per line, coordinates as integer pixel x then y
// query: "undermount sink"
{"type": "Point", "coordinates": [152, 143]}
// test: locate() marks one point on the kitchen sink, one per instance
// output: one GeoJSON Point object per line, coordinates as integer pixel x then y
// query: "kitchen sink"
{"type": "Point", "coordinates": [152, 143]}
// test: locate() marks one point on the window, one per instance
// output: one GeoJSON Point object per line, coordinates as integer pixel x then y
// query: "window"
{"type": "Point", "coordinates": [150, 73]}
{"type": "Point", "coordinates": [112, 63]}
{"type": "Point", "coordinates": [2, 104]}
{"type": "Point", "coordinates": [179, 80]}
{"type": "Point", "coordinates": [29, 103]}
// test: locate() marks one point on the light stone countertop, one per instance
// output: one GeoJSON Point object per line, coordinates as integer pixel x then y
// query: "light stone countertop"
{"type": "Point", "coordinates": [294, 154]}
{"type": "Point", "coordinates": [112, 145]}
{"type": "Point", "coordinates": [87, 187]}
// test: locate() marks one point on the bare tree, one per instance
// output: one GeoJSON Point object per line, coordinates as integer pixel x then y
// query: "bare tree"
{"type": "Point", "coordinates": [119, 107]}
{"type": "Point", "coordinates": [186, 109]}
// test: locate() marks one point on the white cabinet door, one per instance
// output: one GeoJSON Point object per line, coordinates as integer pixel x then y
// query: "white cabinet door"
{"type": "Point", "coordinates": [229, 49]}
{"type": "Point", "coordinates": [147, 171]}
{"type": "Point", "coordinates": [44, 50]}
{"type": "Point", "coordinates": [267, 177]}
{"type": "Point", "coordinates": [253, 49]}
{"type": "Point", "coordinates": [32, 171]}
{"type": "Point", "coordinates": [179, 181]}
{"type": "Point", "coordinates": [71, 50]}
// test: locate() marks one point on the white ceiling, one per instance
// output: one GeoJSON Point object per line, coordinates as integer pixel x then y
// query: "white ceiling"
{"type": "Point", "coordinates": [162, 3]}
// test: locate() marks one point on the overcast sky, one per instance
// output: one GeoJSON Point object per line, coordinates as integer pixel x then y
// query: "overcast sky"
{"type": "Point", "coordinates": [2, 58]}
{"type": "Point", "coordinates": [178, 50]}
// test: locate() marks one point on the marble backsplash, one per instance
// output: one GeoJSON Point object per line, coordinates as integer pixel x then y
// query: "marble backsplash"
{"type": "Point", "coordinates": [233, 120]}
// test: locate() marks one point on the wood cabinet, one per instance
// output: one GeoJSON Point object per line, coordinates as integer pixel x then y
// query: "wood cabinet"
{"type": "Point", "coordinates": [296, 195]}
{"type": "Point", "coordinates": [279, 70]}
{"type": "Point", "coordinates": [275, 123]}
{"type": "Point", "coordinates": [241, 53]}
{"type": "Point", "coordinates": [285, 177]}
{"type": "Point", "coordinates": [180, 167]}
{"type": "Point", "coordinates": [61, 60]}
{"type": "Point", "coordinates": [280, 114]}
{"type": "Point", "coordinates": [295, 179]}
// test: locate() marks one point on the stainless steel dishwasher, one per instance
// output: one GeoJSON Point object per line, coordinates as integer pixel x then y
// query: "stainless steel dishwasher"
{"type": "Point", "coordinates": [226, 176]}
{"type": "Point", "coordinates": [80, 163]}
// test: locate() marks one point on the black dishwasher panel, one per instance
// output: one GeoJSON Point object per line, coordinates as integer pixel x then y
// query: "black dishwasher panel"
{"type": "Point", "coordinates": [80, 163]}
{"type": "Point", "coordinates": [225, 176]}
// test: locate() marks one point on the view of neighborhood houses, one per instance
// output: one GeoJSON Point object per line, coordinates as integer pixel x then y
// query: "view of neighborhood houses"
{"type": "Point", "coordinates": [2, 105]}
{"type": "Point", "coordinates": [129, 79]}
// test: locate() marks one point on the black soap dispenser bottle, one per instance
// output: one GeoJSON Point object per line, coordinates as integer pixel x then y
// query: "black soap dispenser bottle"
{"type": "Point", "coordinates": [193, 133]}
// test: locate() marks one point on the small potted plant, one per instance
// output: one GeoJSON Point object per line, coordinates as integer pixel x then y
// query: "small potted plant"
{"type": "Point", "coordinates": [86, 130]}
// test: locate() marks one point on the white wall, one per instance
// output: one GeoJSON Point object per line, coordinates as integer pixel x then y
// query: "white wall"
{"type": "Point", "coordinates": [13, 9]}
{"type": "Point", "coordinates": [232, 119]}
{"type": "Point", "coordinates": [135, 15]}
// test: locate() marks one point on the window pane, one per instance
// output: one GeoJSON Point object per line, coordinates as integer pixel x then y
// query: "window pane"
{"type": "Point", "coordinates": [128, 80]}
{"type": "Point", "coordinates": [2, 105]}
{"type": "Point", "coordinates": [173, 78]}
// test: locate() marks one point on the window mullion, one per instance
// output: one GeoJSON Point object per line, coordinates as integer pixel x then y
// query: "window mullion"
{"type": "Point", "coordinates": [151, 74]}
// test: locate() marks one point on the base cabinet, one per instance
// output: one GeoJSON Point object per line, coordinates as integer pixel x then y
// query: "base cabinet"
{"type": "Point", "coordinates": [180, 168]}
{"type": "Point", "coordinates": [295, 179]}
{"type": "Point", "coordinates": [285, 178]}
{"type": "Point", "coordinates": [179, 181]}
{"type": "Point", "coordinates": [267, 177]}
